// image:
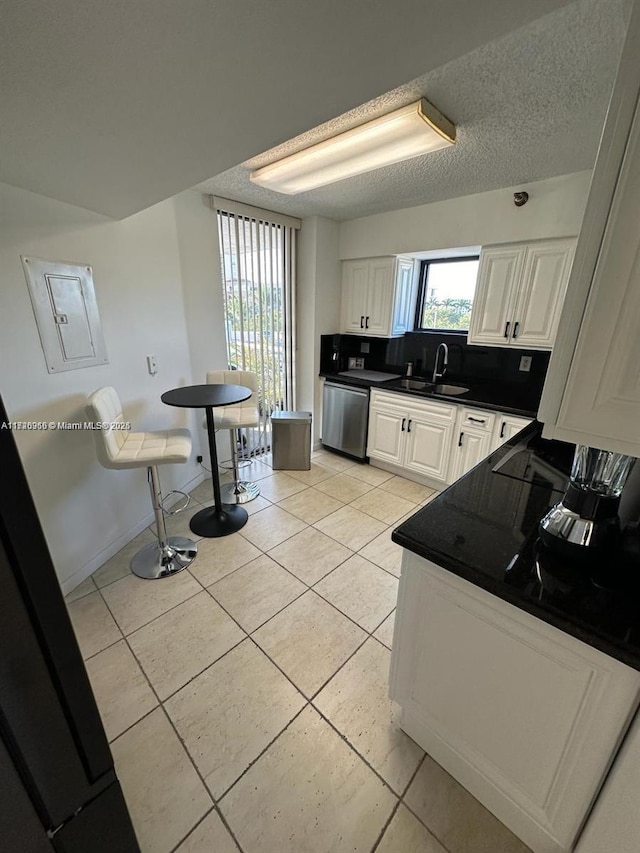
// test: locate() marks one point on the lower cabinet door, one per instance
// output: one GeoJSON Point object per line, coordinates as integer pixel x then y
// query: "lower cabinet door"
{"type": "Point", "coordinates": [506, 427]}
{"type": "Point", "coordinates": [524, 716]}
{"type": "Point", "coordinates": [471, 447]}
{"type": "Point", "coordinates": [428, 447]}
{"type": "Point", "coordinates": [386, 434]}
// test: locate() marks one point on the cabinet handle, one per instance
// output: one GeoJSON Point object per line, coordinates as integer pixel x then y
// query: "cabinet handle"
{"type": "Point", "coordinates": [506, 329]}
{"type": "Point", "coordinates": [366, 322]}
{"type": "Point", "coordinates": [409, 426]}
{"type": "Point", "coordinates": [502, 429]}
{"type": "Point", "coordinates": [476, 420]}
{"type": "Point", "coordinates": [362, 321]}
{"type": "Point", "coordinates": [460, 440]}
{"type": "Point", "coordinates": [404, 420]}
{"type": "Point", "coordinates": [515, 330]}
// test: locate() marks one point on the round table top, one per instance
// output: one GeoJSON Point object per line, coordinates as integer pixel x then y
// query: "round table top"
{"type": "Point", "coordinates": [201, 396]}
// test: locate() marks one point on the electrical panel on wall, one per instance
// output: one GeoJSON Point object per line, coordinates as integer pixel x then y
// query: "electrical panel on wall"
{"type": "Point", "coordinates": [66, 311]}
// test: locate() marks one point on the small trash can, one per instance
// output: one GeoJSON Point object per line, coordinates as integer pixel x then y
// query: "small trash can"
{"type": "Point", "coordinates": [291, 441]}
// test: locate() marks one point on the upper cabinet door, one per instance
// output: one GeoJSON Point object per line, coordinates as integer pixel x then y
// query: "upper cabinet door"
{"type": "Point", "coordinates": [541, 293]}
{"type": "Point", "coordinates": [354, 295]}
{"type": "Point", "coordinates": [498, 276]}
{"type": "Point", "coordinates": [404, 297]}
{"type": "Point", "coordinates": [380, 297]}
{"type": "Point", "coordinates": [601, 404]}
{"type": "Point", "coordinates": [592, 390]}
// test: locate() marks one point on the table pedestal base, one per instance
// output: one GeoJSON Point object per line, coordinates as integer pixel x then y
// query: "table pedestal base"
{"type": "Point", "coordinates": [212, 522]}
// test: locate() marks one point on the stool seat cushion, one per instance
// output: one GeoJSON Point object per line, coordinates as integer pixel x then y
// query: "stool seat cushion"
{"type": "Point", "coordinates": [141, 449]}
{"type": "Point", "coordinates": [121, 448]}
{"type": "Point", "coordinates": [238, 415]}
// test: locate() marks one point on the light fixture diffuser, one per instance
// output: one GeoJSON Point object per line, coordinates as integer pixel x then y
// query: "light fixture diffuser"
{"type": "Point", "coordinates": [407, 132]}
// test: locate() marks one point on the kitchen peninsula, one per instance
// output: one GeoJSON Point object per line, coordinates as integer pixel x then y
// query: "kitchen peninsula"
{"type": "Point", "coordinates": [516, 670]}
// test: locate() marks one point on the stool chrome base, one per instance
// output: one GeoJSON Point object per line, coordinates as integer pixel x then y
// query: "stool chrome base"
{"type": "Point", "coordinates": [239, 493]}
{"type": "Point", "coordinates": [153, 561]}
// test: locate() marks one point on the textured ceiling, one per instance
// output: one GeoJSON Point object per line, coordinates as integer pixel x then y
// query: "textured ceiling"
{"type": "Point", "coordinates": [117, 104]}
{"type": "Point", "coordinates": [527, 106]}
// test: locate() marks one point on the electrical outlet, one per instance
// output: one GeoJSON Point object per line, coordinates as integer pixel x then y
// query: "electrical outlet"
{"type": "Point", "coordinates": [365, 348]}
{"type": "Point", "coordinates": [152, 365]}
{"type": "Point", "coordinates": [199, 459]}
{"type": "Point", "coordinates": [525, 363]}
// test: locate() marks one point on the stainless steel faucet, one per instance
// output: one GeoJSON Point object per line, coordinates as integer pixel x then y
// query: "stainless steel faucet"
{"type": "Point", "coordinates": [445, 362]}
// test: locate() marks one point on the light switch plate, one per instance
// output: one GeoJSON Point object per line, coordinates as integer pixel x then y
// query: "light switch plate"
{"type": "Point", "coordinates": [525, 363]}
{"type": "Point", "coordinates": [152, 365]}
{"type": "Point", "coordinates": [365, 347]}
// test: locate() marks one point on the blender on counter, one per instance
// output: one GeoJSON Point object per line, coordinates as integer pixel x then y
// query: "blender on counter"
{"type": "Point", "coordinates": [587, 515]}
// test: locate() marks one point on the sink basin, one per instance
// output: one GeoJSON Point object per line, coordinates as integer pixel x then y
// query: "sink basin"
{"type": "Point", "coordinates": [415, 384]}
{"type": "Point", "coordinates": [450, 390]}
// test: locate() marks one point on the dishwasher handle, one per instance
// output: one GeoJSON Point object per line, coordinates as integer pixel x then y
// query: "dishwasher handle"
{"type": "Point", "coordinates": [363, 392]}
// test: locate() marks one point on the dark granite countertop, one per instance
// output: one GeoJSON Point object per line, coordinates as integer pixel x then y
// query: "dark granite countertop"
{"type": "Point", "coordinates": [484, 528]}
{"type": "Point", "coordinates": [492, 396]}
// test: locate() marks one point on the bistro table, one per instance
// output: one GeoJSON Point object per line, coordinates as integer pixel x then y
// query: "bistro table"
{"type": "Point", "coordinates": [220, 519]}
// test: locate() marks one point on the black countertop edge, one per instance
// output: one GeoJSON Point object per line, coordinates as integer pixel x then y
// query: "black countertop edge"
{"type": "Point", "coordinates": [608, 645]}
{"type": "Point", "coordinates": [477, 397]}
{"type": "Point", "coordinates": [417, 535]}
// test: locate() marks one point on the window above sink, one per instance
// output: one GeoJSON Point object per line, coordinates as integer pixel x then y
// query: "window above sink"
{"type": "Point", "coordinates": [445, 294]}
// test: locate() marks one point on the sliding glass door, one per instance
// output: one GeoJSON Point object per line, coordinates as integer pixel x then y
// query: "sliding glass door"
{"type": "Point", "coordinates": [258, 260]}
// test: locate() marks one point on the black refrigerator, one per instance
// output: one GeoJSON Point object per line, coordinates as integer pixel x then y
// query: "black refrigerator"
{"type": "Point", "coordinates": [58, 787]}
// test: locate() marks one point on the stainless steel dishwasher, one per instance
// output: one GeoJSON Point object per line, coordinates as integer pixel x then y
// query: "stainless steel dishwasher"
{"type": "Point", "coordinates": [345, 415]}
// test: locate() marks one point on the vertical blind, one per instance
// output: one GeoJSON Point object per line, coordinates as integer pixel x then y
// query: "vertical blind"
{"type": "Point", "coordinates": [258, 263]}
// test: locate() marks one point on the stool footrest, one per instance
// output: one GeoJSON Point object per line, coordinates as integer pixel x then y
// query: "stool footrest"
{"type": "Point", "coordinates": [239, 493]}
{"type": "Point", "coordinates": [187, 501]}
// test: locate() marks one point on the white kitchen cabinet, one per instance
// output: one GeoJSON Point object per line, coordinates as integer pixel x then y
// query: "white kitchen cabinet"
{"type": "Point", "coordinates": [428, 441]}
{"type": "Point", "coordinates": [472, 440]}
{"type": "Point", "coordinates": [519, 294]}
{"type": "Point", "coordinates": [506, 426]}
{"type": "Point", "coordinates": [523, 715]}
{"type": "Point", "coordinates": [592, 390]}
{"type": "Point", "coordinates": [387, 426]}
{"type": "Point", "coordinates": [378, 296]}
{"type": "Point", "coordinates": [412, 434]}
{"type": "Point", "coordinates": [601, 403]}
{"type": "Point", "coordinates": [493, 303]}
{"type": "Point", "coordinates": [614, 823]}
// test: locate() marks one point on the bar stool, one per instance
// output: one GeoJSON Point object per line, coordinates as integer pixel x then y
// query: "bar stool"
{"type": "Point", "coordinates": [120, 448]}
{"type": "Point", "coordinates": [233, 418]}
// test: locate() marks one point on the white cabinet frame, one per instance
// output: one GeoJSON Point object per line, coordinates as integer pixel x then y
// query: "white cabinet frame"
{"type": "Point", "coordinates": [524, 716]}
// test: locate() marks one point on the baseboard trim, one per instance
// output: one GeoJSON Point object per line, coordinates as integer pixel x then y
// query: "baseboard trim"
{"type": "Point", "coordinates": [81, 574]}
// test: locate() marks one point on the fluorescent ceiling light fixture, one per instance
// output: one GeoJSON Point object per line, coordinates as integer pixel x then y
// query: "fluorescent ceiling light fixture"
{"type": "Point", "coordinates": [405, 133]}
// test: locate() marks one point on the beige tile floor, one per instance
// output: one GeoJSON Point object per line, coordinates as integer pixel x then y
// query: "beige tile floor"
{"type": "Point", "coordinates": [245, 699]}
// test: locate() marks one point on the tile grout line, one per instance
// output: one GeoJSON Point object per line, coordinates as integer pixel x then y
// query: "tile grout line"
{"type": "Point", "coordinates": [306, 705]}
{"type": "Point", "coordinates": [422, 823]}
{"type": "Point", "coordinates": [161, 703]}
{"type": "Point", "coordinates": [396, 808]}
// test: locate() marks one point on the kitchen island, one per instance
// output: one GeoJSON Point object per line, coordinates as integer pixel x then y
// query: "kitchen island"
{"type": "Point", "coordinates": [517, 671]}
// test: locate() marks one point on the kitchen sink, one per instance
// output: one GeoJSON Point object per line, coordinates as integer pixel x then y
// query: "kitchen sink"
{"type": "Point", "coordinates": [450, 390]}
{"type": "Point", "coordinates": [415, 384]}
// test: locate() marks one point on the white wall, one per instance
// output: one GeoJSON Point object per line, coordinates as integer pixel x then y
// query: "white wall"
{"type": "Point", "coordinates": [88, 512]}
{"type": "Point", "coordinates": [202, 282]}
{"type": "Point", "coordinates": [555, 209]}
{"type": "Point", "coordinates": [319, 290]}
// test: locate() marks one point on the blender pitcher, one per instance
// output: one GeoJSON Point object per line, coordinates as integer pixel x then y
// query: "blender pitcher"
{"type": "Point", "coordinates": [587, 515]}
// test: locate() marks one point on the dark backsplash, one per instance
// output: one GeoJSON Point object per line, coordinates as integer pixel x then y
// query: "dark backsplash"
{"type": "Point", "coordinates": [471, 364]}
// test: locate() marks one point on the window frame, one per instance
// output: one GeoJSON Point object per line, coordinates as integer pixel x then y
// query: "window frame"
{"type": "Point", "coordinates": [422, 286]}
